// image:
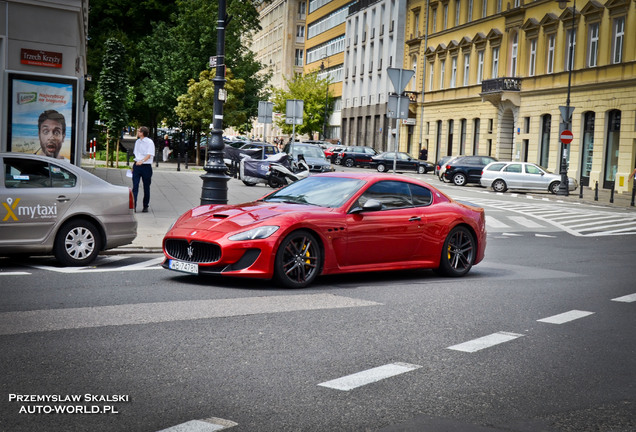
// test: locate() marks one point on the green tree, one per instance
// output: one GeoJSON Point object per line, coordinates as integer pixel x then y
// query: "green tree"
{"type": "Point", "coordinates": [112, 93]}
{"type": "Point", "coordinates": [314, 92]}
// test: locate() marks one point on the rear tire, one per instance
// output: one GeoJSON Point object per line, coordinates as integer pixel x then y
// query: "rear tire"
{"type": "Point", "coordinates": [499, 186]}
{"type": "Point", "coordinates": [381, 168]}
{"type": "Point", "coordinates": [276, 182]}
{"type": "Point", "coordinates": [421, 169]}
{"type": "Point", "coordinates": [77, 243]}
{"type": "Point", "coordinates": [349, 163]}
{"type": "Point", "coordinates": [458, 253]}
{"type": "Point", "coordinates": [246, 183]}
{"type": "Point", "coordinates": [459, 179]}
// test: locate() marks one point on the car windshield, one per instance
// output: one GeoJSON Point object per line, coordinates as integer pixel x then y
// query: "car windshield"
{"type": "Point", "coordinates": [319, 191]}
{"type": "Point", "coordinates": [309, 151]}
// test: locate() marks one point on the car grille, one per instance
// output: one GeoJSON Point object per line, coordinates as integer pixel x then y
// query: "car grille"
{"type": "Point", "coordinates": [195, 251]}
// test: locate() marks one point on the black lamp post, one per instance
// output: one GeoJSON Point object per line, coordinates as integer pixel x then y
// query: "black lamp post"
{"type": "Point", "coordinates": [214, 189]}
{"type": "Point", "coordinates": [564, 186]}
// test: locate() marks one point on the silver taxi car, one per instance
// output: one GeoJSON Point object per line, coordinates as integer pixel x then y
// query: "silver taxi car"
{"type": "Point", "coordinates": [501, 176]}
{"type": "Point", "coordinates": [51, 206]}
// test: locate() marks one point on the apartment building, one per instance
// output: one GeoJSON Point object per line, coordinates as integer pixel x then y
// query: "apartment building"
{"type": "Point", "coordinates": [279, 45]}
{"type": "Point", "coordinates": [374, 42]}
{"type": "Point", "coordinates": [491, 78]}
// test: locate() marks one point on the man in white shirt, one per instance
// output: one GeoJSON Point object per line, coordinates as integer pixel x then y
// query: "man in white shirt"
{"type": "Point", "coordinates": [142, 169]}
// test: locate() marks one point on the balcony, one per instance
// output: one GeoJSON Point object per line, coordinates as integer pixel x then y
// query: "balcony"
{"type": "Point", "coordinates": [501, 89]}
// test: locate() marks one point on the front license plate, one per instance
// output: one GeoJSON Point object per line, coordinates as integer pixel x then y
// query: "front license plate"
{"type": "Point", "coordinates": [185, 267]}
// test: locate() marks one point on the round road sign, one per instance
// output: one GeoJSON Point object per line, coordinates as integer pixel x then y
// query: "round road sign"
{"type": "Point", "coordinates": [566, 137]}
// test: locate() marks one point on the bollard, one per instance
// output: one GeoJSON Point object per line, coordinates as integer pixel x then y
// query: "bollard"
{"type": "Point", "coordinates": [156, 156]}
{"type": "Point", "coordinates": [127, 158]}
{"type": "Point", "coordinates": [633, 196]}
{"type": "Point", "coordinates": [612, 195]}
{"type": "Point", "coordinates": [596, 192]}
{"type": "Point", "coordinates": [186, 160]}
{"type": "Point", "coordinates": [580, 191]}
{"type": "Point", "coordinates": [179, 161]}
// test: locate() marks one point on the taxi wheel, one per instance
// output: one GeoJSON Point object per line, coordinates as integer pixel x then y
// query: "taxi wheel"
{"type": "Point", "coordinates": [298, 260]}
{"type": "Point", "coordinates": [77, 243]}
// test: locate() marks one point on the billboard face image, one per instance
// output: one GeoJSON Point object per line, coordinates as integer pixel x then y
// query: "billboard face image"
{"type": "Point", "coordinates": [42, 116]}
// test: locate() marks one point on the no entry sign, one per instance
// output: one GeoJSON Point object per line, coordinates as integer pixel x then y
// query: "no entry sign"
{"type": "Point", "coordinates": [566, 137]}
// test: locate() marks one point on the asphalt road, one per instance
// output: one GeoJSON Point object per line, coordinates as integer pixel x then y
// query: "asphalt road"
{"type": "Point", "coordinates": [539, 337]}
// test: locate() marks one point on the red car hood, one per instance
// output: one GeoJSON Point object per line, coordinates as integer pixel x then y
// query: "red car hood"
{"type": "Point", "coordinates": [228, 218]}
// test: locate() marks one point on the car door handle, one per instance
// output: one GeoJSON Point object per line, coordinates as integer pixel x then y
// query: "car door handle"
{"type": "Point", "coordinates": [63, 198]}
{"type": "Point", "coordinates": [415, 218]}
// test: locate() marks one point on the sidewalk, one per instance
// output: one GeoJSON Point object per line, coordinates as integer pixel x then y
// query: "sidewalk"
{"type": "Point", "coordinates": [174, 192]}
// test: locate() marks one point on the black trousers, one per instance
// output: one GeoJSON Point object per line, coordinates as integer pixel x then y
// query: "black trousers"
{"type": "Point", "coordinates": [142, 172]}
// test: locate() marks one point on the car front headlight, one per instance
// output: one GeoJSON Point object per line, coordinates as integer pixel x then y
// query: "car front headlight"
{"type": "Point", "coordinates": [255, 233]}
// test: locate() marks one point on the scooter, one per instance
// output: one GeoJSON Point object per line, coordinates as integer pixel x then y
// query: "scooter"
{"type": "Point", "coordinates": [279, 175]}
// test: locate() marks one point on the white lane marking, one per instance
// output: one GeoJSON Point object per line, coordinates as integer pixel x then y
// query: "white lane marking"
{"type": "Point", "coordinates": [206, 425]}
{"type": "Point", "coordinates": [565, 317]}
{"type": "Point", "coordinates": [152, 264]}
{"type": "Point", "coordinates": [369, 376]}
{"type": "Point", "coordinates": [544, 235]}
{"type": "Point", "coordinates": [630, 298]}
{"type": "Point", "coordinates": [485, 342]}
{"type": "Point", "coordinates": [146, 313]}
{"type": "Point", "coordinates": [528, 223]}
{"type": "Point", "coordinates": [16, 273]}
{"type": "Point", "coordinates": [492, 222]}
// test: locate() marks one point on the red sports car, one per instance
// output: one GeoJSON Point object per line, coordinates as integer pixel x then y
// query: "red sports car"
{"type": "Point", "coordinates": [327, 224]}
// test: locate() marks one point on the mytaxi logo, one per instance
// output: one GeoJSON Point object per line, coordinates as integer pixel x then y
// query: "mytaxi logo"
{"type": "Point", "coordinates": [38, 211]}
{"type": "Point", "coordinates": [10, 205]}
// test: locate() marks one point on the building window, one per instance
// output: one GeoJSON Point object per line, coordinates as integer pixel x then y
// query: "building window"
{"type": "Point", "coordinates": [613, 140]}
{"type": "Point", "coordinates": [480, 67]}
{"type": "Point", "coordinates": [484, 8]}
{"type": "Point", "coordinates": [302, 9]}
{"type": "Point", "coordinates": [466, 69]}
{"type": "Point", "coordinates": [462, 136]}
{"type": "Point", "coordinates": [453, 82]}
{"type": "Point", "coordinates": [445, 17]}
{"type": "Point", "coordinates": [592, 45]}
{"type": "Point", "coordinates": [588, 147]}
{"type": "Point", "coordinates": [469, 15]}
{"type": "Point", "coordinates": [571, 49]}
{"type": "Point", "coordinates": [544, 157]}
{"type": "Point", "coordinates": [476, 126]}
{"type": "Point", "coordinates": [549, 67]}
{"type": "Point", "coordinates": [457, 12]}
{"type": "Point", "coordinates": [434, 19]}
{"type": "Point", "coordinates": [499, 6]}
{"type": "Point", "coordinates": [442, 72]}
{"type": "Point", "coordinates": [617, 40]}
{"type": "Point", "coordinates": [532, 63]}
{"type": "Point", "coordinates": [416, 24]}
{"type": "Point", "coordinates": [449, 148]}
{"type": "Point", "coordinates": [300, 31]}
{"type": "Point", "coordinates": [513, 55]}
{"type": "Point", "coordinates": [495, 62]}
{"type": "Point", "coordinates": [298, 58]}
{"type": "Point", "coordinates": [430, 76]}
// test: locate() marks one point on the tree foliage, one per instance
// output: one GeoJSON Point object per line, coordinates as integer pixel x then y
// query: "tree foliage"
{"type": "Point", "coordinates": [317, 102]}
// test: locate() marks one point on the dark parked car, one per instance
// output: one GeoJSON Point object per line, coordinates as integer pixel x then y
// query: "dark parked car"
{"type": "Point", "coordinates": [384, 162]}
{"type": "Point", "coordinates": [466, 169]}
{"type": "Point", "coordinates": [355, 155]}
{"type": "Point", "coordinates": [440, 166]}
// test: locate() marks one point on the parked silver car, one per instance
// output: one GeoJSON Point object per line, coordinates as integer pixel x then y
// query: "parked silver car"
{"type": "Point", "coordinates": [49, 205]}
{"type": "Point", "coordinates": [501, 176]}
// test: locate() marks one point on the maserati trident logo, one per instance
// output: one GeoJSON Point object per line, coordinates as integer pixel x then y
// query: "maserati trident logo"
{"type": "Point", "coordinates": [190, 251]}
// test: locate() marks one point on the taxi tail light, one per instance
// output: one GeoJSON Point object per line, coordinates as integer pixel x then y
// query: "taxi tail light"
{"type": "Point", "coordinates": [131, 200]}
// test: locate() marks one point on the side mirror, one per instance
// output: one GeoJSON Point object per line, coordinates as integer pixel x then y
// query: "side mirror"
{"type": "Point", "coordinates": [370, 205]}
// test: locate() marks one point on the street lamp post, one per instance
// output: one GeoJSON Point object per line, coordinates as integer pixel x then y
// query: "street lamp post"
{"type": "Point", "coordinates": [564, 184]}
{"type": "Point", "coordinates": [214, 188]}
{"type": "Point", "coordinates": [324, 121]}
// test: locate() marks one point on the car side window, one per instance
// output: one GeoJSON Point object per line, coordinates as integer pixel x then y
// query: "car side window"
{"type": "Point", "coordinates": [391, 194]}
{"type": "Point", "coordinates": [61, 177]}
{"type": "Point", "coordinates": [26, 173]}
{"type": "Point", "coordinates": [513, 168]}
{"type": "Point", "coordinates": [496, 167]}
{"type": "Point", "coordinates": [421, 195]}
{"type": "Point", "coordinates": [531, 169]}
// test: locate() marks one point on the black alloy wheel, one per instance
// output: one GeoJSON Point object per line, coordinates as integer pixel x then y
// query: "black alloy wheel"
{"type": "Point", "coordinates": [298, 260]}
{"type": "Point", "coordinates": [458, 253]}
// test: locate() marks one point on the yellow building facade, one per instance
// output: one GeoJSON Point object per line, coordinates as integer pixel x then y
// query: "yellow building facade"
{"type": "Point", "coordinates": [494, 79]}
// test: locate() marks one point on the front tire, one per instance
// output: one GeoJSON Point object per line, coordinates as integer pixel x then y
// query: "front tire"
{"type": "Point", "coordinates": [298, 260]}
{"type": "Point", "coordinates": [458, 253]}
{"type": "Point", "coordinates": [381, 168]}
{"type": "Point", "coordinates": [77, 243]}
{"type": "Point", "coordinates": [499, 186]}
{"type": "Point", "coordinates": [459, 179]}
{"type": "Point", "coordinates": [421, 169]}
{"type": "Point", "coordinates": [349, 163]}
{"type": "Point", "coordinates": [554, 187]}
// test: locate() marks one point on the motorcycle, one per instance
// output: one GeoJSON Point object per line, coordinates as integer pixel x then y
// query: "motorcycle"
{"type": "Point", "coordinates": [280, 175]}
{"type": "Point", "coordinates": [255, 171]}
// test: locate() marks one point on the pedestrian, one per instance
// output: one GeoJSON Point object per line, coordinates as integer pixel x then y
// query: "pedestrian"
{"type": "Point", "coordinates": [423, 154]}
{"type": "Point", "coordinates": [166, 148]}
{"type": "Point", "coordinates": [142, 169]}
